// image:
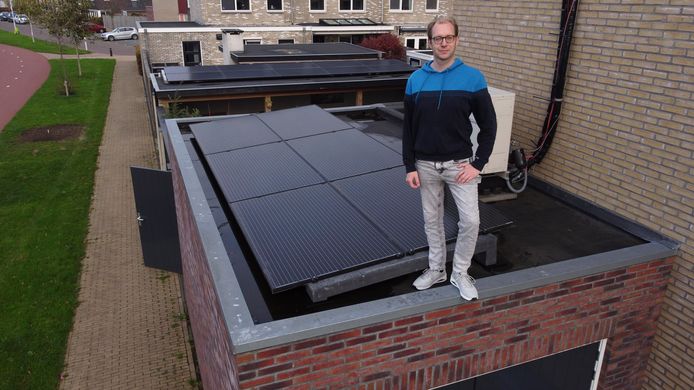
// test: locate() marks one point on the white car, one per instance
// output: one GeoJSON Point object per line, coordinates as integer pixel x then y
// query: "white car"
{"type": "Point", "coordinates": [21, 19]}
{"type": "Point", "coordinates": [120, 33]}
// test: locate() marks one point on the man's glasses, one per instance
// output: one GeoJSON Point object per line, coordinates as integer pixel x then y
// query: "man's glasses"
{"type": "Point", "coordinates": [448, 38]}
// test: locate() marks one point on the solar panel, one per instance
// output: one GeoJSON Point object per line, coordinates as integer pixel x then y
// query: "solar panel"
{"type": "Point", "coordinates": [491, 219]}
{"type": "Point", "coordinates": [385, 199]}
{"type": "Point", "coordinates": [260, 170]}
{"type": "Point", "coordinates": [284, 70]}
{"type": "Point", "coordinates": [233, 133]}
{"type": "Point", "coordinates": [302, 122]}
{"type": "Point", "coordinates": [345, 153]}
{"type": "Point", "coordinates": [308, 233]}
{"type": "Point", "coordinates": [383, 131]}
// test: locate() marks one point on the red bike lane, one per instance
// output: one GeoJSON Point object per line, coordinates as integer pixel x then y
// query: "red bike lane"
{"type": "Point", "coordinates": [22, 72]}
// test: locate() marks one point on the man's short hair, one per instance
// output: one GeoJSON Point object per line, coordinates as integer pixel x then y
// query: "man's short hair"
{"type": "Point", "coordinates": [442, 19]}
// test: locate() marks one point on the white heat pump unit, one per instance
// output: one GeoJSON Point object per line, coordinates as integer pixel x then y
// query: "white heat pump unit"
{"type": "Point", "coordinates": [503, 105]}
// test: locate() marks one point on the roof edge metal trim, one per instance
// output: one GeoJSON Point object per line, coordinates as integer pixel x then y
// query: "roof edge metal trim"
{"type": "Point", "coordinates": [231, 300]}
{"type": "Point", "coordinates": [289, 330]}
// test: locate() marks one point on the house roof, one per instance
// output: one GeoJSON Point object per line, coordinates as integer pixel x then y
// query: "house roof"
{"type": "Point", "coordinates": [304, 51]}
{"type": "Point", "coordinates": [308, 76]}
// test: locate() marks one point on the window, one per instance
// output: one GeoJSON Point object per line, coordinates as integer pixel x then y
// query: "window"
{"type": "Point", "coordinates": [418, 43]}
{"type": "Point", "coordinates": [351, 5]}
{"type": "Point", "coordinates": [285, 41]}
{"type": "Point", "coordinates": [432, 5]}
{"type": "Point", "coordinates": [317, 5]}
{"type": "Point", "coordinates": [191, 53]}
{"type": "Point", "coordinates": [252, 41]}
{"type": "Point", "coordinates": [401, 5]}
{"type": "Point", "coordinates": [274, 5]}
{"type": "Point", "coordinates": [236, 5]}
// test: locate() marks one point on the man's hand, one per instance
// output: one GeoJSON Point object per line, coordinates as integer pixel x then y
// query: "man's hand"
{"type": "Point", "coordinates": [412, 179]}
{"type": "Point", "coordinates": [467, 173]}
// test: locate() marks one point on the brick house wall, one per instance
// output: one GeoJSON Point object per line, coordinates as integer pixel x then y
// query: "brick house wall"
{"type": "Point", "coordinates": [210, 12]}
{"type": "Point", "coordinates": [470, 339]}
{"type": "Point", "coordinates": [212, 345]}
{"type": "Point", "coordinates": [625, 138]}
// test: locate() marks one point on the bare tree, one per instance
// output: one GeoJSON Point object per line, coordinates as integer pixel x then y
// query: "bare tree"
{"type": "Point", "coordinates": [64, 19]}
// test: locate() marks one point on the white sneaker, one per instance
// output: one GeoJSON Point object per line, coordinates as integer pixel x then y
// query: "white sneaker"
{"type": "Point", "coordinates": [429, 278]}
{"type": "Point", "coordinates": [465, 284]}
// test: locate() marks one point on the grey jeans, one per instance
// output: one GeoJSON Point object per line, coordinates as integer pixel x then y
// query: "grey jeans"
{"type": "Point", "coordinates": [433, 176]}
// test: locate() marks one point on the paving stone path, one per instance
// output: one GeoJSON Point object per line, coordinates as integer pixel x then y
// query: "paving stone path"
{"type": "Point", "coordinates": [129, 331]}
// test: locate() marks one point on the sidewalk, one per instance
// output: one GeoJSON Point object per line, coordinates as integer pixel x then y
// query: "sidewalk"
{"type": "Point", "coordinates": [128, 331]}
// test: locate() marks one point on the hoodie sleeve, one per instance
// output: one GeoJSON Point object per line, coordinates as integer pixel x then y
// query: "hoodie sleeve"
{"type": "Point", "coordinates": [408, 131]}
{"type": "Point", "coordinates": [485, 116]}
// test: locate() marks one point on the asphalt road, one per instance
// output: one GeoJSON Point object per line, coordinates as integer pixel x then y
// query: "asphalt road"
{"type": "Point", "coordinates": [94, 44]}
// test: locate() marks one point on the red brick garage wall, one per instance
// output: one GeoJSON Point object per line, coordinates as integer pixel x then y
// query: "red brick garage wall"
{"type": "Point", "coordinates": [449, 345]}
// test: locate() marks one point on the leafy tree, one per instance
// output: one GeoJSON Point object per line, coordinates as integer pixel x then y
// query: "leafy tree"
{"type": "Point", "coordinates": [66, 20]}
{"type": "Point", "coordinates": [389, 44]}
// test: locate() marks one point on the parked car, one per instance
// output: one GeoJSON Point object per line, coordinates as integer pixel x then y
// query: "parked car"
{"type": "Point", "coordinates": [120, 33]}
{"type": "Point", "coordinates": [21, 19]}
{"type": "Point", "coordinates": [95, 27]}
{"type": "Point", "coordinates": [6, 16]}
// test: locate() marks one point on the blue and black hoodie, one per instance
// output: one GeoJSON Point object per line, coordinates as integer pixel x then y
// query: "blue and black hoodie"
{"type": "Point", "coordinates": [437, 111]}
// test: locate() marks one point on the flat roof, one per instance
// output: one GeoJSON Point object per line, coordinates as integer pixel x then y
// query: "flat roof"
{"type": "Point", "coordinates": [360, 77]}
{"type": "Point", "coordinates": [173, 24]}
{"type": "Point", "coordinates": [557, 236]}
{"type": "Point", "coordinates": [304, 51]}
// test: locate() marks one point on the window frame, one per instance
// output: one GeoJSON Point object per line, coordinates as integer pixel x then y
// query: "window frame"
{"type": "Point", "coordinates": [281, 9]}
{"type": "Point", "coordinates": [247, 41]}
{"type": "Point", "coordinates": [431, 9]}
{"type": "Point", "coordinates": [293, 41]}
{"type": "Point", "coordinates": [236, 10]}
{"type": "Point", "coordinates": [310, 10]}
{"type": "Point", "coordinates": [183, 52]}
{"type": "Point", "coordinates": [417, 39]}
{"type": "Point", "coordinates": [400, 10]}
{"type": "Point", "coordinates": [351, 3]}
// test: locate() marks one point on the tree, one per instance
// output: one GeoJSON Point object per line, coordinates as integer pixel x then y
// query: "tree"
{"type": "Point", "coordinates": [389, 44]}
{"type": "Point", "coordinates": [64, 19]}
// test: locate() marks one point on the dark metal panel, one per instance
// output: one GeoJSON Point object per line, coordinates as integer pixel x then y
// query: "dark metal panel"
{"type": "Point", "coordinates": [492, 219]}
{"type": "Point", "coordinates": [156, 218]}
{"type": "Point", "coordinates": [345, 153]}
{"type": "Point", "coordinates": [260, 170]}
{"type": "Point", "coordinates": [234, 133]}
{"type": "Point", "coordinates": [302, 122]}
{"type": "Point", "coordinates": [385, 199]}
{"type": "Point", "coordinates": [306, 234]}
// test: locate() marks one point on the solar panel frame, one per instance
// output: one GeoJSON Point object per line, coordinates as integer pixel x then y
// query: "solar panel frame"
{"type": "Point", "coordinates": [333, 236]}
{"type": "Point", "coordinates": [385, 199]}
{"type": "Point", "coordinates": [284, 70]}
{"type": "Point", "coordinates": [345, 153]}
{"type": "Point", "coordinates": [260, 170]}
{"type": "Point", "coordinates": [233, 133]}
{"type": "Point", "coordinates": [314, 121]}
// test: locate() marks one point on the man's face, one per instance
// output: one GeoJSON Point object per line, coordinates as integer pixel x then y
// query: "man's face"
{"type": "Point", "coordinates": [443, 50]}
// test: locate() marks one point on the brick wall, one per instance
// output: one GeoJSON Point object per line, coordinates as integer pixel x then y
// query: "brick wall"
{"type": "Point", "coordinates": [210, 12]}
{"type": "Point", "coordinates": [625, 138]}
{"type": "Point", "coordinates": [470, 339]}
{"type": "Point", "coordinates": [212, 345]}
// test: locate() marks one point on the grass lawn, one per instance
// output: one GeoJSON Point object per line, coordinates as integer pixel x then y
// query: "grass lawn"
{"type": "Point", "coordinates": [40, 46]}
{"type": "Point", "coordinates": [45, 191]}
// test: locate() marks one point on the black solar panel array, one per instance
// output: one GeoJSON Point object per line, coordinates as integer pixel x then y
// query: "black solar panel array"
{"type": "Point", "coordinates": [261, 71]}
{"type": "Point", "coordinates": [313, 195]}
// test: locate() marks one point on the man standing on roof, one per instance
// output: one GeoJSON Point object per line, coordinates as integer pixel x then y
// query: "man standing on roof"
{"type": "Point", "coordinates": [437, 150]}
